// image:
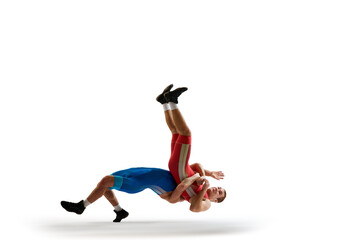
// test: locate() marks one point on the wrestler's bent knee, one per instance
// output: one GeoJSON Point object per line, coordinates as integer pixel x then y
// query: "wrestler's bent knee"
{"type": "Point", "coordinates": [107, 181]}
{"type": "Point", "coordinates": [185, 132]}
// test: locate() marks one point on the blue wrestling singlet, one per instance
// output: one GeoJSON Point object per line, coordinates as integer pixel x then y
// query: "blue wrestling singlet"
{"type": "Point", "coordinates": [134, 180]}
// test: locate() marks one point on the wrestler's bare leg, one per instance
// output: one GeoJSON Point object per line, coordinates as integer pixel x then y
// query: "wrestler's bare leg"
{"type": "Point", "coordinates": [173, 117]}
{"type": "Point", "coordinates": [170, 122]}
{"type": "Point", "coordinates": [101, 189]}
{"type": "Point", "coordinates": [102, 186]}
{"type": "Point", "coordinates": [110, 196]}
{"type": "Point", "coordinates": [78, 208]}
{"type": "Point", "coordinates": [179, 123]}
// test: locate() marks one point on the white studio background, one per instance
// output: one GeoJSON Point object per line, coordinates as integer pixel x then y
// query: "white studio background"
{"type": "Point", "coordinates": [273, 101]}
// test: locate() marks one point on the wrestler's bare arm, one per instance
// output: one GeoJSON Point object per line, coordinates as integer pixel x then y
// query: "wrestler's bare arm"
{"type": "Point", "coordinates": [175, 196]}
{"type": "Point", "coordinates": [198, 202]}
{"type": "Point", "coordinates": [197, 167]}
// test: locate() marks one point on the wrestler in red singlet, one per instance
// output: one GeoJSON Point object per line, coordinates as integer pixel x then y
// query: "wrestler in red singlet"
{"type": "Point", "coordinates": [179, 164]}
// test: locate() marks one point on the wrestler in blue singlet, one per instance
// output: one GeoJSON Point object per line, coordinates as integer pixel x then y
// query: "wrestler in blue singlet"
{"type": "Point", "coordinates": [134, 180]}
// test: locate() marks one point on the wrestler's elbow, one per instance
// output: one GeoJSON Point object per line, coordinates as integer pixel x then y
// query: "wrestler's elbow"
{"type": "Point", "coordinates": [183, 186]}
{"type": "Point", "coordinates": [205, 205]}
{"type": "Point", "coordinates": [173, 201]}
{"type": "Point", "coordinates": [198, 209]}
{"type": "Point", "coordinates": [198, 165]}
{"type": "Point", "coordinates": [195, 209]}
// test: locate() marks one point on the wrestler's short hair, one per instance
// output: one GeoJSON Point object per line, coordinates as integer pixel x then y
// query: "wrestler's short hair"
{"type": "Point", "coordinates": [220, 199]}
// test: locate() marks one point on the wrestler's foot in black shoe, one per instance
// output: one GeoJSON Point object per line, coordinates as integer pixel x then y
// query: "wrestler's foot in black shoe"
{"type": "Point", "coordinates": [161, 99]}
{"type": "Point", "coordinates": [120, 215]}
{"type": "Point", "coordinates": [173, 96]}
{"type": "Point", "coordinates": [77, 208]}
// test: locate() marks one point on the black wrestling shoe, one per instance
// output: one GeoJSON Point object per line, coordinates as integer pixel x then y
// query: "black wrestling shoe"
{"type": "Point", "coordinates": [173, 96]}
{"type": "Point", "coordinates": [161, 99]}
{"type": "Point", "coordinates": [77, 208]}
{"type": "Point", "coordinates": [120, 215]}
